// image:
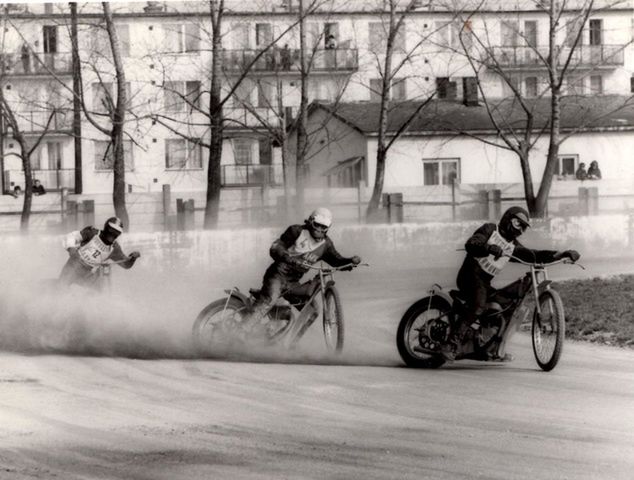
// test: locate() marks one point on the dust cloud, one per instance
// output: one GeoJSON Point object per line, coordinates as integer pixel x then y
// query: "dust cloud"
{"type": "Point", "coordinates": [149, 311]}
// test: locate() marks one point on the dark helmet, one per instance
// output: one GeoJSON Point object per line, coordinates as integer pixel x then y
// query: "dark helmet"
{"type": "Point", "coordinates": [513, 223]}
{"type": "Point", "coordinates": [113, 225]}
{"type": "Point", "coordinates": [319, 222]}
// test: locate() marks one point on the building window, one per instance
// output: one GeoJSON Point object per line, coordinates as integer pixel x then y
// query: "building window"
{"type": "Point", "coordinates": [50, 38]}
{"type": "Point", "coordinates": [181, 38]}
{"type": "Point", "coordinates": [378, 32]}
{"type": "Point", "coordinates": [575, 86]}
{"type": "Point", "coordinates": [441, 171]}
{"type": "Point", "coordinates": [446, 89]}
{"type": "Point", "coordinates": [399, 90]}
{"type": "Point", "coordinates": [595, 28]}
{"type": "Point", "coordinates": [567, 165]}
{"type": "Point", "coordinates": [181, 154]}
{"type": "Point", "coordinates": [181, 96]}
{"type": "Point", "coordinates": [509, 34]}
{"type": "Point", "coordinates": [263, 34]}
{"type": "Point", "coordinates": [530, 85]}
{"type": "Point", "coordinates": [242, 151]}
{"type": "Point", "coordinates": [596, 85]}
{"type": "Point", "coordinates": [103, 96]}
{"type": "Point", "coordinates": [376, 88]}
{"type": "Point", "coordinates": [331, 31]}
{"type": "Point", "coordinates": [104, 157]}
{"type": "Point", "coordinates": [632, 84]}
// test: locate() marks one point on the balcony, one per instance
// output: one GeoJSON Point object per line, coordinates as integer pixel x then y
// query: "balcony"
{"type": "Point", "coordinates": [36, 121]}
{"type": "Point", "coordinates": [584, 57]}
{"type": "Point", "coordinates": [37, 64]}
{"type": "Point", "coordinates": [235, 175]}
{"type": "Point", "coordinates": [249, 118]}
{"type": "Point", "coordinates": [52, 180]}
{"type": "Point", "coordinates": [287, 61]}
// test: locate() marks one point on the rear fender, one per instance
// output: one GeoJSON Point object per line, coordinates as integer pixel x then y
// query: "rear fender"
{"type": "Point", "coordinates": [437, 291]}
{"type": "Point", "coordinates": [236, 293]}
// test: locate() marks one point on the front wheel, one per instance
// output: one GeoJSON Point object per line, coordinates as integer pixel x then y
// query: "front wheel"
{"type": "Point", "coordinates": [333, 321]}
{"type": "Point", "coordinates": [429, 317]}
{"type": "Point", "coordinates": [218, 324]}
{"type": "Point", "coordinates": [548, 330]}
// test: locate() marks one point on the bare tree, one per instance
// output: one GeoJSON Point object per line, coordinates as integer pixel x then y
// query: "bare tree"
{"type": "Point", "coordinates": [521, 121]}
{"type": "Point", "coordinates": [393, 26]}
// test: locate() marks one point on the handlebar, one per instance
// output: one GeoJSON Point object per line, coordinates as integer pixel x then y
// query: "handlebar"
{"type": "Point", "coordinates": [336, 269]}
{"type": "Point", "coordinates": [543, 265]}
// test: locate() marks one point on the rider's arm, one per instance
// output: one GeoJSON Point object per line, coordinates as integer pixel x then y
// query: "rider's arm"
{"type": "Point", "coordinates": [279, 249]}
{"type": "Point", "coordinates": [117, 255]}
{"type": "Point", "coordinates": [77, 238]}
{"type": "Point", "coordinates": [476, 246]}
{"type": "Point", "coordinates": [332, 257]}
{"type": "Point", "coordinates": [530, 255]}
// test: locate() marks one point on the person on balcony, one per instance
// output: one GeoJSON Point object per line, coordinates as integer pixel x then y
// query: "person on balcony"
{"type": "Point", "coordinates": [285, 57]}
{"type": "Point", "coordinates": [594, 173]}
{"type": "Point", "coordinates": [25, 55]}
{"type": "Point", "coordinates": [581, 173]}
{"type": "Point", "coordinates": [38, 188]}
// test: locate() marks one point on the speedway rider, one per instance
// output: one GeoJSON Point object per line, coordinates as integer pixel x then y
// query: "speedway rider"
{"type": "Point", "coordinates": [489, 249]}
{"type": "Point", "coordinates": [299, 247]}
{"type": "Point", "coordinates": [89, 249]}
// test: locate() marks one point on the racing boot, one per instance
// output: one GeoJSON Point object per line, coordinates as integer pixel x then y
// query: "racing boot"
{"type": "Point", "coordinates": [454, 343]}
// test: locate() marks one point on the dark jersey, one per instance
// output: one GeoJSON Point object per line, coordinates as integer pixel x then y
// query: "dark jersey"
{"type": "Point", "coordinates": [478, 256]}
{"type": "Point", "coordinates": [297, 243]}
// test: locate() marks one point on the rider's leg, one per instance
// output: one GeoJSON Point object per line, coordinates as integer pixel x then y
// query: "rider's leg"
{"type": "Point", "coordinates": [74, 271]}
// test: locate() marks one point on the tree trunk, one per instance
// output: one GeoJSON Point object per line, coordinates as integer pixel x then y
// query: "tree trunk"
{"type": "Point", "coordinates": [212, 200]}
{"type": "Point", "coordinates": [118, 119]}
{"type": "Point", "coordinates": [541, 202]}
{"type": "Point", "coordinates": [28, 186]}
{"type": "Point", "coordinates": [76, 99]}
{"type": "Point", "coordinates": [302, 116]}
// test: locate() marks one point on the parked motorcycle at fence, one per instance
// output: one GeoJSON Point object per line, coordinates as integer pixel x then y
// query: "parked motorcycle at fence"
{"type": "Point", "coordinates": [426, 325]}
{"type": "Point", "coordinates": [227, 320]}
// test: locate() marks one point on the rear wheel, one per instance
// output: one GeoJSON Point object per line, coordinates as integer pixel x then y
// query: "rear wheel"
{"type": "Point", "coordinates": [425, 317]}
{"type": "Point", "coordinates": [333, 321]}
{"type": "Point", "coordinates": [218, 324]}
{"type": "Point", "coordinates": [548, 330]}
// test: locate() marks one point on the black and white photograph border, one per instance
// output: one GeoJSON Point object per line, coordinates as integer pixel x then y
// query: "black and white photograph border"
{"type": "Point", "coordinates": [308, 239]}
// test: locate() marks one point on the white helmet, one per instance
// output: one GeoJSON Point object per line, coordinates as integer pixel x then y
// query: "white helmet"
{"type": "Point", "coordinates": [322, 216]}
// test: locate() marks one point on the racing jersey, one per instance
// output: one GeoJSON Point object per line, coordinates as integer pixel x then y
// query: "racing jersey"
{"type": "Point", "coordinates": [482, 260]}
{"type": "Point", "coordinates": [297, 242]}
{"type": "Point", "coordinates": [91, 250]}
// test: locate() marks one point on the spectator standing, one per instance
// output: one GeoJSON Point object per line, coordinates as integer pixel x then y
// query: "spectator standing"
{"type": "Point", "coordinates": [594, 173]}
{"type": "Point", "coordinates": [38, 188]}
{"type": "Point", "coordinates": [581, 173]}
{"type": "Point", "coordinates": [285, 57]}
{"type": "Point", "coordinates": [25, 55]}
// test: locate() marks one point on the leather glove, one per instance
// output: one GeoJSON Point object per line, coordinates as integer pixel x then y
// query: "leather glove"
{"type": "Point", "coordinates": [134, 255]}
{"type": "Point", "coordinates": [296, 262]}
{"type": "Point", "coordinates": [356, 260]}
{"type": "Point", "coordinates": [573, 255]}
{"type": "Point", "coordinates": [72, 252]}
{"type": "Point", "coordinates": [495, 250]}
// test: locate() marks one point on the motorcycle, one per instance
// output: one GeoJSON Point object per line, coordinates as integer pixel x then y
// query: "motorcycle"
{"type": "Point", "coordinates": [427, 324]}
{"type": "Point", "coordinates": [228, 319]}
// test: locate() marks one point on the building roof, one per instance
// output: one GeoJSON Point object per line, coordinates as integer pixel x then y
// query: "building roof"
{"type": "Point", "coordinates": [593, 113]}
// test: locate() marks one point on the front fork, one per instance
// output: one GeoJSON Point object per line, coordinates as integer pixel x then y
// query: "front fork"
{"type": "Point", "coordinates": [307, 315]}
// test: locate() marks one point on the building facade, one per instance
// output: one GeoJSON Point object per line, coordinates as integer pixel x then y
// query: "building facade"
{"type": "Point", "coordinates": [167, 54]}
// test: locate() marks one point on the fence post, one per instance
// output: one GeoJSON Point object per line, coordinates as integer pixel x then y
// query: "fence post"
{"type": "Point", "coordinates": [583, 201]}
{"type": "Point", "coordinates": [180, 214]}
{"type": "Point", "coordinates": [71, 214]}
{"type": "Point", "coordinates": [166, 204]}
{"type": "Point", "coordinates": [593, 200]}
{"type": "Point", "coordinates": [395, 207]}
{"type": "Point", "coordinates": [483, 201]}
{"type": "Point", "coordinates": [495, 208]}
{"type": "Point", "coordinates": [89, 212]}
{"type": "Point", "coordinates": [63, 200]}
{"type": "Point", "coordinates": [190, 221]}
{"type": "Point", "coordinates": [360, 199]}
{"type": "Point", "coordinates": [453, 198]}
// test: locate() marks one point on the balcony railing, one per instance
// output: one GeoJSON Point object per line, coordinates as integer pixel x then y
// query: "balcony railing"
{"type": "Point", "coordinates": [287, 60]}
{"type": "Point", "coordinates": [584, 56]}
{"type": "Point", "coordinates": [254, 117]}
{"type": "Point", "coordinates": [52, 180]}
{"type": "Point", "coordinates": [37, 64]}
{"type": "Point", "coordinates": [251, 175]}
{"type": "Point", "coordinates": [37, 120]}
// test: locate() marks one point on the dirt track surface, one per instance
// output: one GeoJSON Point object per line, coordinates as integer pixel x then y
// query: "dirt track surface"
{"type": "Point", "coordinates": [303, 415]}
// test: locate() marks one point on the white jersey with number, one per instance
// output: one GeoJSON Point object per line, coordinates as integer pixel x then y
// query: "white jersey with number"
{"type": "Point", "coordinates": [94, 252]}
{"type": "Point", "coordinates": [307, 247]}
{"type": "Point", "coordinates": [489, 264]}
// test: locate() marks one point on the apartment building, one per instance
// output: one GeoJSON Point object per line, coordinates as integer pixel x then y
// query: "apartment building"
{"type": "Point", "coordinates": [166, 49]}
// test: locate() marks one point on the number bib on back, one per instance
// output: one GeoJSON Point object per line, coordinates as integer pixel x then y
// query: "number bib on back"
{"type": "Point", "coordinates": [489, 264]}
{"type": "Point", "coordinates": [95, 252]}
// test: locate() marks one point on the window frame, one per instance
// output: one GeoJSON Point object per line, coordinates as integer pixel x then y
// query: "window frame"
{"type": "Point", "coordinates": [235, 147]}
{"type": "Point", "coordinates": [128, 148]}
{"type": "Point", "coordinates": [440, 162]}
{"type": "Point", "coordinates": [560, 158]}
{"type": "Point", "coordinates": [188, 147]}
